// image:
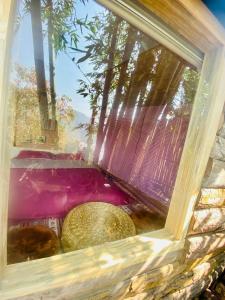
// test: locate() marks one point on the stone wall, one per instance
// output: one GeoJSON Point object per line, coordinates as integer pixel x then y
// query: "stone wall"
{"type": "Point", "coordinates": [182, 280]}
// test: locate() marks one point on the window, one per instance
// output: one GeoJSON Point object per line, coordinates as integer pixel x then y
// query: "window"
{"type": "Point", "coordinates": [113, 104]}
{"type": "Point", "coordinates": [125, 128]}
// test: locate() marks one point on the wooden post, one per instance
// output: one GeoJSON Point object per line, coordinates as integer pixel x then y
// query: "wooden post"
{"type": "Point", "coordinates": [4, 134]}
{"type": "Point", "coordinates": [208, 104]}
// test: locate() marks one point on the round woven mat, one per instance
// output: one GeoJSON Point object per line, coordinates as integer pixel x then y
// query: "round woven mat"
{"type": "Point", "coordinates": [95, 223]}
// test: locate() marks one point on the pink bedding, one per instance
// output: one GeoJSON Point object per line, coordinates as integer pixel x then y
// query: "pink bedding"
{"type": "Point", "coordinates": [43, 193]}
{"type": "Point", "coordinates": [29, 154]}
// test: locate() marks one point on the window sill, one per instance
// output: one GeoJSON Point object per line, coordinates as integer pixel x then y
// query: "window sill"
{"type": "Point", "coordinates": [90, 269]}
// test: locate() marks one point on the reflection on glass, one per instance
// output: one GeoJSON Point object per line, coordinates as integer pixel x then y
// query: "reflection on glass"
{"type": "Point", "coordinates": [89, 87]}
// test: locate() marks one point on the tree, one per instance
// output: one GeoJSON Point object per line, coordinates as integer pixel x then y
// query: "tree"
{"type": "Point", "coordinates": [60, 18]}
{"type": "Point", "coordinates": [28, 129]}
{"type": "Point", "coordinates": [93, 91]}
{"type": "Point", "coordinates": [35, 8]}
{"type": "Point", "coordinates": [51, 60]}
{"type": "Point", "coordinates": [104, 54]}
{"type": "Point", "coordinates": [107, 85]}
{"type": "Point", "coordinates": [111, 122]}
{"type": "Point", "coordinates": [58, 15]}
{"type": "Point", "coordinates": [165, 81]}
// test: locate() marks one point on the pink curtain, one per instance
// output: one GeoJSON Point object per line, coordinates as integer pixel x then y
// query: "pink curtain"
{"type": "Point", "coordinates": [149, 156]}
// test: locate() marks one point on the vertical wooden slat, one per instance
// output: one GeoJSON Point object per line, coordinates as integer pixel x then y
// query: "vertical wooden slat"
{"type": "Point", "coordinates": [204, 122]}
{"type": "Point", "coordinates": [4, 160]}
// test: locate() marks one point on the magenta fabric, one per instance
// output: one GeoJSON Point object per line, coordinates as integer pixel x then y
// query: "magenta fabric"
{"type": "Point", "coordinates": [69, 156]}
{"type": "Point", "coordinates": [34, 154]}
{"type": "Point", "coordinates": [147, 150]}
{"type": "Point", "coordinates": [43, 193]}
{"type": "Point", "coordinates": [24, 154]}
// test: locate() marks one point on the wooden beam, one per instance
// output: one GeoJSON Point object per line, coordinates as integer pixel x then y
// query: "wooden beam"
{"type": "Point", "coordinates": [4, 137]}
{"type": "Point", "coordinates": [83, 272]}
{"type": "Point", "coordinates": [191, 19]}
{"type": "Point", "coordinates": [208, 104]}
{"type": "Point", "coordinates": [138, 16]}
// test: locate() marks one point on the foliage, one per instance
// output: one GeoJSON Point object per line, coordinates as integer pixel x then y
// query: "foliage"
{"type": "Point", "coordinates": [97, 51]}
{"type": "Point", "coordinates": [62, 20]}
{"type": "Point", "coordinates": [190, 83]}
{"type": "Point", "coordinates": [88, 40]}
{"type": "Point", "coordinates": [27, 121]}
{"type": "Point", "coordinates": [65, 110]}
{"type": "Point", "coordinates": [93, 91]}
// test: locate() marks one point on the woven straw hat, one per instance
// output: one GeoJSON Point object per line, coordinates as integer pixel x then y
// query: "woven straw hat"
{"type": "Point", "coordinates": [95, 223]}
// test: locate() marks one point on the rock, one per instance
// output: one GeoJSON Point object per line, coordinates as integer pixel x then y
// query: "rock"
{"type": "Point", "coordinates": [206, 220]}
{"type": "Point", "coordinates": [218, 151]}
{"type": "Point", "coordinates": [210, 198]}
{"type": "Point", "coordinates": [216, 178]}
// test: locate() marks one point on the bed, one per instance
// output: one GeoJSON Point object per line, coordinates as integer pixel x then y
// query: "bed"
{"type": "Point", "coordinates": [44, 185]}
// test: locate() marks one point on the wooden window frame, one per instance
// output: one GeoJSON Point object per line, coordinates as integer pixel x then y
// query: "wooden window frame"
{"type": "Point", "coordinates": [84, 272]}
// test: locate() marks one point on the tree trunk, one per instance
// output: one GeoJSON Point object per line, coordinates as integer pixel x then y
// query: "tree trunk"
{"type": "Point", "coordinates": [111, 122]}
{"type": "Point", "coordinates": [39, 62]}
{"type": "Point", "coordinates": [137, 82]}
{"type": "Point", "coordinates": [106, 89]}
{"type": "Point", "coordinates": [51, 61]}
{"type": "Point", "coordinates": [167, 79]}
{"type": "Point", "coordinates": [92, 126]}
{"type": "Point", "coordinates": [16, 117]}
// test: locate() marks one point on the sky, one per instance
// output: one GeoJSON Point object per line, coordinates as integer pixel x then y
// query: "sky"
{"type": "Point", "coordinates": [67, 73]}
{"type": "Point", "coordinates": [218, 9]}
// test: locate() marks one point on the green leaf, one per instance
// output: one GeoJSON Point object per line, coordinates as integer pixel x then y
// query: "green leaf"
{"type": "Point", "coordinates": [78, 50]}
{"type": "Point", "coordinates": [82, 59]}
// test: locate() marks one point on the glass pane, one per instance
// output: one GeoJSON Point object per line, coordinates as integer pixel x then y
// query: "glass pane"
{"type": "Point", "coordinates": [101, 112]}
